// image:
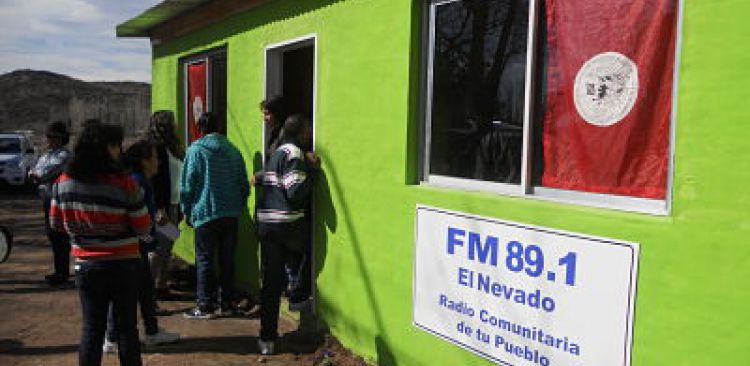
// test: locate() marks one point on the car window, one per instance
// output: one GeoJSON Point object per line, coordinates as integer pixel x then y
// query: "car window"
{"type": "Point", "coordinates": [10, 145]}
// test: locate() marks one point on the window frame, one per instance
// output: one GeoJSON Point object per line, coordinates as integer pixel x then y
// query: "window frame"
{"type": "Point", "coordinates": [526, 189]}
{"type": "Point", "coordinates": [206, 56]}
{"type": "Point", "coordinates": [273, 76]}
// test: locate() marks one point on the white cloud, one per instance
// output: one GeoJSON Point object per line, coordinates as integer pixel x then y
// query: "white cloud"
{"type": "Point", "coordinates": [47, 17]}
{"type": "Point", "coordinates": [74, 37]}
{"type": "Point", "coordinates": [114, 68]}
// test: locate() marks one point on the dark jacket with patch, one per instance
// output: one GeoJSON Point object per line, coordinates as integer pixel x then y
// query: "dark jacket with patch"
{"type": "Point", "coordinates": [287, 185]}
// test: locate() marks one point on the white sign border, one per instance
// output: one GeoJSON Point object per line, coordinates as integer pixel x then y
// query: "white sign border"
{"type": "Point", "coordinates": [632, 293]}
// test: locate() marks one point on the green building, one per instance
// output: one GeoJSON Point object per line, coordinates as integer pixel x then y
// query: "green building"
{"type": "Point", "coordinates": [564, 176]}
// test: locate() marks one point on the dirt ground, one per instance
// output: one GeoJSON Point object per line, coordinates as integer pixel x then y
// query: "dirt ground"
{"type": "Point", "coordinates": [40, 325]}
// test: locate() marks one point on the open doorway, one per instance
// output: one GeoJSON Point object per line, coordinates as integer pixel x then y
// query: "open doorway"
{"type": "Point", "coordinates": [291, 73]}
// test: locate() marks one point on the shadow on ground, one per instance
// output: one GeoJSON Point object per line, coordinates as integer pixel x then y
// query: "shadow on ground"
{"type": "Point", "coordinates": [16, 347]}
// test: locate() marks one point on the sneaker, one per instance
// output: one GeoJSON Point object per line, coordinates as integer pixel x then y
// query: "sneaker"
{"type": "Point", "coordinates": [254, 312]}
{"type": "Point", "coordinates": [109, 347]}
{"type": "Point", "coordinates": [161, 337]}
{"type": "Point", "coordinates": [244, 304]}
{"type": "Point", "coordinates": [198, 313]}
{"type": "Point", "coordinates": [299, 305]}
{"type": "Point", "coordinates": [266, 348]}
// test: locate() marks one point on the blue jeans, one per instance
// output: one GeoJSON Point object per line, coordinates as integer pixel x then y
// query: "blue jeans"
{"type": "Point", "coordinates": [99, 284]}
{"type": "Point", "coordinates": [145, 300]}
{"type": "Point", "coordinates": [215, 240]}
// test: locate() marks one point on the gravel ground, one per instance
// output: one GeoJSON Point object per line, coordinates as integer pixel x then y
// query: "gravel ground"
{"type": "Point", "coordinates": [40, 325]}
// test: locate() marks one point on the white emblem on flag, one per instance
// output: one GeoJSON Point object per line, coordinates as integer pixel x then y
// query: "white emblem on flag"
{"type": "Point", "coordinates": [606, 89]}
{"type": "Point", "coordinates": [197, 108]}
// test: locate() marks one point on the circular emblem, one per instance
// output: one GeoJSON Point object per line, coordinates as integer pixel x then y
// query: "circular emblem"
{"type": "Point", "coordinates": [197, 108]}
{"type": "Point", "coordinates": [606, 88]}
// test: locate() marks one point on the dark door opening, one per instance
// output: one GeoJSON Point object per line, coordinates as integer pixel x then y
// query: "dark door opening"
{"type": "Point", "coordinates": [290, 72]}
{"type": "Point", "coordinates": [297, 80]}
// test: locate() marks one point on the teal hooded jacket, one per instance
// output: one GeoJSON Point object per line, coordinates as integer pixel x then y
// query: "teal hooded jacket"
{"type": "Point", "coordinates": [214, 181]}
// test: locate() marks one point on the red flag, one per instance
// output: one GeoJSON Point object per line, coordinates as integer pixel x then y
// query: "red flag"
{"type": "Point", "coordinates": [609, 95]}
{"type": "Point", "coordinates": [196, 101]}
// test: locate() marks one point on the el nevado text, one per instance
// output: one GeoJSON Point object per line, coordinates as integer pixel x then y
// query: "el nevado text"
{"type": "Point", "coordinates": [481, 282]}
{"type": "Point", "coordinates": [508, 329]}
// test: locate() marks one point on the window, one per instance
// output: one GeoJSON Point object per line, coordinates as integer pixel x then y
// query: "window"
{"type": "Point", "coordinates": [10, 145]}
{"type": "Point", "coordinates": [569, 100]}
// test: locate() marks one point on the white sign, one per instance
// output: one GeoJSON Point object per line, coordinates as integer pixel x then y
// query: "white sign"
{"type": "Point", "coordinates": [524, 295]}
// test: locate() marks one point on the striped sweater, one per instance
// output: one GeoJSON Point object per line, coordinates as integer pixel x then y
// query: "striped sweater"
{"type": "Point", "coordinates": [103, 217]}
{"type": "Point", "coordinates": [287, 186]}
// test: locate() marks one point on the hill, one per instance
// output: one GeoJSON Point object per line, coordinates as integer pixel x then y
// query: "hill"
{"type": "Point", "coordinates": [30, 99]}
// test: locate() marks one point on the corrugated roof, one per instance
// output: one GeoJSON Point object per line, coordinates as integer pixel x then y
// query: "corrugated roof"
{"type": "Point", "coordinates": [160, 13]}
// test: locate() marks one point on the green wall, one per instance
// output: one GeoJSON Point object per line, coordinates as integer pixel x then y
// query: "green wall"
{"type": "Point", "coordinates": [694, 265]}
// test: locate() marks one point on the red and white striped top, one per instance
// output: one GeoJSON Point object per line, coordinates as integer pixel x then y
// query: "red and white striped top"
{"type": "Point", "coordinates": [103, 216]}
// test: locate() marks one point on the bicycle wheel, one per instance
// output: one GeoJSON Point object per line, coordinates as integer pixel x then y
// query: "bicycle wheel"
{"type": "Point", "coordinates": [6, 244]}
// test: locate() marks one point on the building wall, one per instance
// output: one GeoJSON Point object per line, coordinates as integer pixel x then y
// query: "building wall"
{"type": "Point", "coordinates": [692, 293]}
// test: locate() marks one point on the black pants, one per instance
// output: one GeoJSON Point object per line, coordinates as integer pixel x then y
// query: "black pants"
{"type": "Point", "coordinates": [281, 246]}
{"type": "Point", "coordinates": [145, 300]}
{"type": "Point", "coordinates": [218, 236]}
{"type": "Point", "coordinates": [99, 284]}
{"type": "Point", "coordinates": [299, 268]}
{"type": "Point", "coordinates": [299, 275]}
{"type": "Point", "coordinates": [60, 243]}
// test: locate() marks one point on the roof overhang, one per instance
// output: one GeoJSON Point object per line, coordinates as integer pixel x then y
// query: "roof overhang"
{"type": "Point", "coordinates": [161, 13]}
{"type": "Point", "coordinates": [172, 19]}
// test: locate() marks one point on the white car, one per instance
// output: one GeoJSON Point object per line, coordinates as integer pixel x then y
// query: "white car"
{"type": "Point", "coordinates": [17, 157]}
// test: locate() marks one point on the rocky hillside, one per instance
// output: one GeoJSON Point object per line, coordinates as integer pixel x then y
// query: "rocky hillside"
{"type": "Point", "coordinates": [31, 99]}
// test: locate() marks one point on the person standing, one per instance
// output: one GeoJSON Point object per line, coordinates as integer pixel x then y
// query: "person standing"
{"type": "Point", "coordinates": [275, 112]}
{"type": "Point", "coordinates": [281, 215]}
{"type": "Point", "coordinates": [166, 185]}
{"type": "Point", "coordinates": [142, 162]}
{"type": "Point", "coordinates": [213, 192]}
{"type": "Point", "coordinates": [102, 209]}
{"type": "Point", "coordinates": [45, 172]}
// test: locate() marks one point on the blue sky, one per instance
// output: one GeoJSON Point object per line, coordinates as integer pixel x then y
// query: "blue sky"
{"type": "Point", "coordinates": [73, 37]}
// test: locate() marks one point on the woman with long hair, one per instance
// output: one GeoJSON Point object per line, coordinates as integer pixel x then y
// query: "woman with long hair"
{"type": "Point", "coordinates": [163, 136]}
{"type": "Point", "coordinates": [141, 161]}
{"type": "Point", "coordinates": [282, 217]}
{"type": "Point", "coordinates": [102, 209]}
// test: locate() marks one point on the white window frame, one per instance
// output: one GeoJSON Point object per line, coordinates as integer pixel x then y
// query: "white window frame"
{"type": "Point", "coordinates": [274, 78]}
{"type": "Point", "coordinates": [526, 189]}
{"type": "Point", "coordinates": [186, 92]}
{"type": "Point", "coordinates": [196, 58]}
